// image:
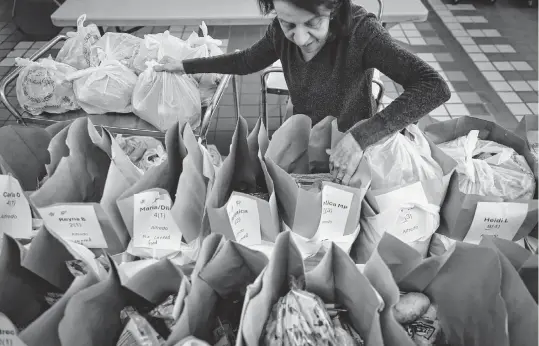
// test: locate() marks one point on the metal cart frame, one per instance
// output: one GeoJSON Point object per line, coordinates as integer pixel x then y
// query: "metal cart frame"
{"type": "Point", "coordinates": [265, 90]}
{"type": "Point", "coordinates": [121, 123]}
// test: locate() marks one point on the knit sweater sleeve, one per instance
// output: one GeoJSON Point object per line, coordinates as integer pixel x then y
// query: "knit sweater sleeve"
{"type": "Point", "coordinates": [424, 88]}
{"type": "Point", "coordinates": [259, 56]}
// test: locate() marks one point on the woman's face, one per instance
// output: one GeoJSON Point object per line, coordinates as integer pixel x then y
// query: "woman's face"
{"type": "Point", "coordinates": [307, 30]}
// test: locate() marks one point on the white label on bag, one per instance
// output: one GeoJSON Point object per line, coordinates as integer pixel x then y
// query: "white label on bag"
{"type": "Point", "coordinates": [15, 214]}
{"type": "Point", "coordinates": [412, 193]}
{"type": "Point", "coordinates": [154, 226]}
{"type": "Point", "coordinates": [336, 205]}
{"type": "Point", "coordinates": [501, 220]}
{"type": "Point", "coordinates": [76, 223]}
{"type": "Point", "coordinates": [244, 220]}
{"type": "Point", "coordinates": [8, 333]}
{"type": "Point", "coordinates": [412, 225]}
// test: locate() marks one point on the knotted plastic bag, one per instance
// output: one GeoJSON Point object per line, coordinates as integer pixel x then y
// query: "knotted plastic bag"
{"type": "Point", "coordinates": [164, 98]}
{"type": "Point", "coordinates": [105, 88]}
{"type": "Point", "coordinates": [116, 46]}
{"type": "Point", "coordinates": [76, 49]}
{"type": "Point", "coordinates": [159, 46]}
{"type": "Point", "coordinates": [487, 168]}
{"type": "Point", "coordinates": [42, 86]}
{"type": "Point", "coordinates": [401, 159]}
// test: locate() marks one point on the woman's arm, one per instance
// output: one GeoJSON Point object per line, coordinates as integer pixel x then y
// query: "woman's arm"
{"type": "Point", "coordinates": [259, 56]}
{"type": "Point", "coordinates": [424, 88]}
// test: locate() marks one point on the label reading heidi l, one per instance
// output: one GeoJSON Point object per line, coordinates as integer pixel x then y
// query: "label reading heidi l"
{"type": "Point", "coordinates": [501, 220]}
{"type": "Point", "coordinates": [336, 205]}
{"type": "Point", "coordinates": [244, 220]}
{"type": "Point", "coordinates": [75, 222]}
{"type": "Point", "coordinates": [15, 214]}
{"type": "Point", "coordinates": [154, 226]}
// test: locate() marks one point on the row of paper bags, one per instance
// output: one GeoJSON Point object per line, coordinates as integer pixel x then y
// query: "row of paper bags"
{"type": "Point", "coordinates": [114, 74]}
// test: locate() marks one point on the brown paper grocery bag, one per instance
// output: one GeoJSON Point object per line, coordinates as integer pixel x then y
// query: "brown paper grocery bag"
{"type": "Point", "coordinates": [21, 291]}
{"type": "Point", "coordinates": [57, 149]}
{"type": "Point", "coordinates": [477, 292]}
{"type": "Point", "coordinates": [336, 280]}
{"type": "Point", "coordinates": [44, 330]}
{"type": "Point", "coordinates": [524, 261]}
{"type": "Point", "coordinates": [269, 286]}
{"type": "Point", "coordinates": [320, 140]}
{"type": "Point", "coordinates": [79, 177]}
{"type": "Point", "coordinates": [92, 315]}
{"type": "Point", "coordinates": [258, 142]}
{"type": "Point", "coordinates": [459, 209]}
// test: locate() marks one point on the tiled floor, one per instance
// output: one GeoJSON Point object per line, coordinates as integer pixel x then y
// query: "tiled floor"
{"type": "Point", "coordinates": [487, 53]}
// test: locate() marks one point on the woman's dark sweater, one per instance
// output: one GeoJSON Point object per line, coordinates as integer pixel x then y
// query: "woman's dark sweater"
{"type": "Point", "coordinates": [337, 81]}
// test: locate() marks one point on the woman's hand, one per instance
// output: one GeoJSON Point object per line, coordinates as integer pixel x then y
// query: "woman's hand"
{"type": "Point", "coordinates": [169, 65]}
{"type": "Point", "coordinates": [344, 159]}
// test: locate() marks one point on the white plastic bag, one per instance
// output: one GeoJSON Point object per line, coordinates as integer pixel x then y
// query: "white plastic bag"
{"type": "Point", "coordinates": [105, 88]}
{"type": "Point", "coordinates": [487, 168]}
{"type": "Point", "coordinates": [76, 49]}
{"type": "Point", "coordinates": [401, 160]}
{"type": "Point", "coordinates": [116, 46]}
{"type": "Point", "coordinates": [42, 86]}
{"type": "Point", "coordinates": [158, 46]}
{"type": "Point", "coordinates": [163, 98]}
{"type": "Point", "coordinates": [144, 152]}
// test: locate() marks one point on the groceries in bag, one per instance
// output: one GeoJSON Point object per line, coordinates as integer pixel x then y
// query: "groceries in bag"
{"type": "Point", "coordinates": [104, 88]}
{"type": "Point", "coordinates": [487, 168]}
{"type": "Point", "coordinates": [76, 50]}
{"type": "Point", "coordinates": [42, 86]}
{"type": "Point", "coordinates": [116, 46]}
{"type": "Point", "coordinates": [164, 98]}
{"type": "Point", "coordinates": [143, 152]}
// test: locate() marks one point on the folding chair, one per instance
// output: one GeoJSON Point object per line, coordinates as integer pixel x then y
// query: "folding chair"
{"type": "Point", "coordinates": [273, 82]}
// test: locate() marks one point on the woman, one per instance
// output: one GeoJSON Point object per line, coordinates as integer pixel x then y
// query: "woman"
{"type": "Point", "coordinates": [328, 49]}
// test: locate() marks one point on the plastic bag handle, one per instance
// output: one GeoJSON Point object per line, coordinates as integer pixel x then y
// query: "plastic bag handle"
{"type": "Point", "coordinates": [469, 146]}
{"type": "Point", "coordinates": [80, 22]}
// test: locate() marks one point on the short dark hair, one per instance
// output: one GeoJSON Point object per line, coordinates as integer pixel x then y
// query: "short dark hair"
{"type": "Point", "coordinates": [341, 12]}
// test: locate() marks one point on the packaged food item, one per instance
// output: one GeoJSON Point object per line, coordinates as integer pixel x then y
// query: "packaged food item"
{"type": "Point", "coordinates": [76, 49]}
{"type": "Point", "coordinates": [117, 46]}
{"type": "Point", "coordinates": [42, 86]}
{"type": "Point", "coordinates": [164, 98]}
{"type": "Point", "coordinates": [138, 332]}
{"type": "Point", "coordinates": [227, 320]}
{"type": "Point", "coordinates": [426, 330]}
{"type": "Point", "coordinates": [105, 88]}
{"type": "Point", "coordinates": [143, 152]}
{"type": "Point", "coordinates": [312, 181]}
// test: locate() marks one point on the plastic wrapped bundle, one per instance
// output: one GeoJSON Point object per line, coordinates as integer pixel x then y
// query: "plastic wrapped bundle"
{"type": "Point", "coordinates": [401, 159]}
{"type": "Point", "coordinates": [105, 88]}
{"type": "Point", "coordinates": [164, 98]}
{"type": "Point", "coordinates": [76, 50]}
{"type": "Point", "coordinates": [116, 46]}
{"type": "Point", "coordinates": [42, 86]}
{"type": "Point", "coordinates": [144, 152]}
{"type": "Point", "coordinates": [487, 168]}
{"type": "Point", "coordinates": [158, 46]}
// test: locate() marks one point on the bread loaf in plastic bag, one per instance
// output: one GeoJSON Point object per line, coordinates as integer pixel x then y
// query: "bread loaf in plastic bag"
{"type": "Point", "coordinates": [488, 168]}
{"type": "Point", "coordinates": [164, 98]}
{"type": "Point", "coordinates": [76, 49]}
{"type": "Point", "coordinates": [42, 86]}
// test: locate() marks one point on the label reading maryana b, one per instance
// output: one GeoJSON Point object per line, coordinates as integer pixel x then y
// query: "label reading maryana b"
{"type": "Point", "coordinates": [336, 205]}
{"type": "Point", "coordinates": [15, 214]}
{"type": "Point", "coordinates": [75, 222]}
{"type": "Point", "coordinates": [501, 220]}
{"type": "Point", "coordinates": [244, 220]}
{"type": "Point", "coordinates": [8, 333]}
{"type": "Point", "coordinates": [154, 226]}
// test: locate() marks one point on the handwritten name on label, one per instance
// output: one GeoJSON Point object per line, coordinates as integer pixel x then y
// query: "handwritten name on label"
{"type": "Point", "coordinates": [8, 333]}
{"type": "Point", "coordinates": [154, 226]}
{"type": "Point", "coordinates": [76, 223]}
{"type": "Point", "coordinates": [412, 193]}
{"type": "Point", "coordinates": [336, 205]}
{"type": "Point", "coordinates": [244, 220]}
{"type": "Point", "coordinates": [501, 220]}
{"type": "Point", "coordinates": [15, 214]}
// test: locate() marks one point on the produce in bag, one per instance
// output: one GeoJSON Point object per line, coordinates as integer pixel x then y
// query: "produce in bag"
{"type": "Point", "coordinates": [145, 152]}
{"type": "Point", "coordinates": [76, 49]}
{"type": "Point", "coordinates": [117, 46]}
{"type": "Point", "coordinates": [164, 98]}
{"type": "Point", "coordinates": [486, 168]}
{"type": "Point", "coordinates": [104, 88]}
{"type": "Point", "coordinates": [212, 309]}
{"type": "Point", "coordinates": [162, 45]}
{"type": "Point", "coordinates": [468, 216]}
{"type": "Point", "coordinates": [479, 296]}
{"type": "Point", "coordinates": [42, 86]}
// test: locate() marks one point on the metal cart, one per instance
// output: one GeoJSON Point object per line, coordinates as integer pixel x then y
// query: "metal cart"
{"type": "Point", "coordinates": [126, 124]}
{"type": "Point", "coordinates": [273, 82]}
